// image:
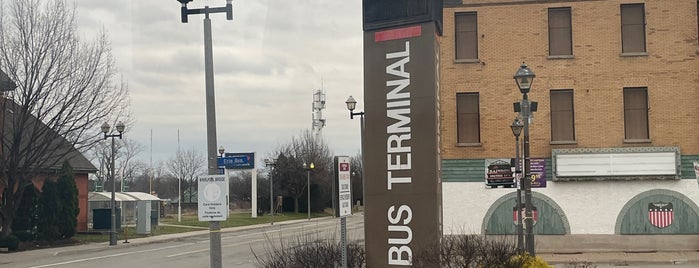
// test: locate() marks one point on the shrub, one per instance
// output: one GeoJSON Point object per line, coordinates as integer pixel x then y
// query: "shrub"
{"type": "Point", "coordinates": [465, 251]}
{"type": "Point", "coordinates": [308, 251]}
{"type": "Point", "coordinates": [526, 261]}
{"type": "Point", "coordinates": [11, 242]}
{"type": "Point", "coordinates": [24, 235]}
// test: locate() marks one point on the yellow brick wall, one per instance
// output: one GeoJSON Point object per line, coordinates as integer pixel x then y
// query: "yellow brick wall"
{"type": "Point", "coordinates": [512, 32]}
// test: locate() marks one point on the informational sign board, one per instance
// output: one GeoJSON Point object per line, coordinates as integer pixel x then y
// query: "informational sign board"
{"type": "Point", "coordinates": [237, 161]}
{"type": "Point", "coordinates": [402, 189]}
{"type": "Point", "coordinates": [344, 185]}
{"type": "Point", "coordinates": [538, 172]}
{"type": "Point", "coordinates": [213, 197]}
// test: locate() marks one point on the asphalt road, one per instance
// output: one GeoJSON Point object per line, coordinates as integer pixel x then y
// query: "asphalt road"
{"type": "Point", "coordinates": [188, 251]}
{"type": "Point", "coordinates": [239, 246]}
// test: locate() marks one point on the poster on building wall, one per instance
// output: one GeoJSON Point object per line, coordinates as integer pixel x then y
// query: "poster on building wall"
{"type": "Point", "coordinates": [696, 170]}
{"type": "Point", "coordinates": [499, 173]}
{"type": "Point", "coordinates": [538, 166]}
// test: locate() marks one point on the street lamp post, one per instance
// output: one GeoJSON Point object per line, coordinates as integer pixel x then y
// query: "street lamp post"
{"type": "Point", "coordinates": [271, 163]}
{"type": "Point", "coordinates": [308, 169]}
{"type": "Point", "coordinates": [516, 130]}
{"type": "Point", "coordinates": [524, 78]}
{"type": "Point", "coordinates": [214, 226]}
{"type": "Point", "coordinates": [120, 129]}
{"type": "Point", "coordinates": [351, 105]}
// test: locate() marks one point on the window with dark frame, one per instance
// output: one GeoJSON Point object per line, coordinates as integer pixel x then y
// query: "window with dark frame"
{"type": "Point", "coordinates": [466, 27]}
{"type": "Point", "coordinates": [468, 118]}
{"type": "Point", "coordinates": [562, 116]}
{"type": "Point", "coordinates": [560, 32]}
{"type": "Point", "coordinates": [633, 28]}
{"type": "Point", "coordinates": [636, 113]}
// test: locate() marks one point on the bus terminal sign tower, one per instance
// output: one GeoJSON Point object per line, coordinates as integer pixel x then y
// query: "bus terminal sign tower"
{"type": "Point", "coordinates": [401, 156]}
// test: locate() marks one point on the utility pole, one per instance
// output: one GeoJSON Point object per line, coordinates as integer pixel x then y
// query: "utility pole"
{"type": "Point", "coordinates": [214, 226]}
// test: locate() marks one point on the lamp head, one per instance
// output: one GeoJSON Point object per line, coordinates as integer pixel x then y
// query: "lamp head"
{"type": "Point", "coordinates": [120, 127]}
{"type": "Point", "coordinates": [105, 128]}
{"type": "Point", "coordinates": [221, 150]}
{"type": "Point", "coordinates": [351, 103]}
{"type": "Point", "coordinates": [312, 166]}
{"type": "Point", "coordinates": [524, 78]}
{"type": "Point", "coordinates": [517, 127]}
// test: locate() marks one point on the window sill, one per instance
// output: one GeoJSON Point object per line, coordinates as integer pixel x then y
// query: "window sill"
{"type": "Point", "coordinates": [467, 61]}
{"type": "Point", "coordinates": [563, 142]}
{"type": "Point", "coordinates": [475, 144]}
{"type": "Point", "coordinates": [557, 57]}
{"type": "Point", "coordinates": [634, 54]}
{"type": "Point", "coordinates": [636, 140]}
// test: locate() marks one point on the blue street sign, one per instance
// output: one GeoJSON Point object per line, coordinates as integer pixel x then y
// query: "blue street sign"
{"type": "Point", "coordinates": [237, 161]}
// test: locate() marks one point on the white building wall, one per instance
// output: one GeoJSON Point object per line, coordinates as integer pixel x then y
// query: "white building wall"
{"type": "Point", "coordinates": [592, 207]}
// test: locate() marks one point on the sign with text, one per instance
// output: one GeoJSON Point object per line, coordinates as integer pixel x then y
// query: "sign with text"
{"type": "Point", "coordinates": [213, 197]}
{"type": "Point", "coordinates": [403, 212]}
{"type": "Point", "coordinates": [237, 161]}
{"type": "Point", "coordinates": [344, 186]}
{"type": "Point", "coordinates": [538, 172]}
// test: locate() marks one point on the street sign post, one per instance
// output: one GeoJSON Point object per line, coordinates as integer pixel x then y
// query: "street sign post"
{"type": "Point", "coordinates": [237, 161]}
{"type": "Point", "coordinates": [344, 196]}
{"type": "Point", "coordinates": [241, 161]}
{"type": "Point", "coordinates": [344, 186]}
{"type": "Point", "coordinates": [213, 197]}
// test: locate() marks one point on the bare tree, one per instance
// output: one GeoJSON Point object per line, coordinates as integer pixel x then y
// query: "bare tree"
{"type": "Point", "coordinates": [66, 88]}
{"type": "Point", "coordinates": [187, 165]}
{"type": "Point", "coordinates": [125, 153]}
{"type": "Point", "coordinates": [290, 173]}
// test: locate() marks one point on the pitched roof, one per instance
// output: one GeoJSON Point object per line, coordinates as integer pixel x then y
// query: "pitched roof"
{"type": "Point", "coordinates": [33, 131]}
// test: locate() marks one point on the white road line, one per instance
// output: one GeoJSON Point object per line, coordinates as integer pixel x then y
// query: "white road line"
{"type": "Point", "coordinates": [246, 242]}
{"type": "Point", "coordinates": [108, 256]}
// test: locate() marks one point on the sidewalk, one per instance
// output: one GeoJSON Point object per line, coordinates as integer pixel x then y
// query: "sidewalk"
{"type": "Point", "coordinates": [621, 258]}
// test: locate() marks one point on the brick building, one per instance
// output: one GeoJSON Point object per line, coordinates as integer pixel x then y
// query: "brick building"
{"type": "Point", "coordinates": [615, 133]}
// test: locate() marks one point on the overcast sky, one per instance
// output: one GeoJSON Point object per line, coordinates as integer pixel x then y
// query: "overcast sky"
{"type": "Point", "coordinates": [268, 61]}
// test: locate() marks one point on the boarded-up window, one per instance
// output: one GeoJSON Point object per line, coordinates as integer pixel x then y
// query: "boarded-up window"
{"type": "Point", "coordinates": [636, 113]}
{"type": "Point", "coordinates": [466, 36]}
{"type": "Point", "coordinates": [560, 33]}
{"type": "Point", "coordinates": [467, 118]}
{"type": "Point", "coordinates": [562, 116]}
{"type": "Point", "coordinates": [633, 28]}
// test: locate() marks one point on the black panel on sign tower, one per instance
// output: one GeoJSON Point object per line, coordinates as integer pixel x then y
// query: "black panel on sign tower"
{"type": "Point", "coordinates": [380, 14]}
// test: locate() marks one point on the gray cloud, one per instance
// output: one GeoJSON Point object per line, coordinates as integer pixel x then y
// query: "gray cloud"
{"type": "Point", "coordinates": [267, 62]}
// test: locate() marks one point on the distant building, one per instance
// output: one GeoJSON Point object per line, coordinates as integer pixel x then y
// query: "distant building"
{"type": "Point", "coordinates": [616, 131]}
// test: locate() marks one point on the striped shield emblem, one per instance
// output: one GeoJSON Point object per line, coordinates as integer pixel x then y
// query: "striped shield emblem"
{"type": "Point", "coordinates": [661, 214]}
{"type": "Point", "coordinates": [535, 214]}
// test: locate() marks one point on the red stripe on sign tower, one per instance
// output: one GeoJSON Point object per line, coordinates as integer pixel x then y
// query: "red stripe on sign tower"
{"type": "Point", "coordinates": [395, 34]}
{"type": "Point", "coordinates": [661, 214]}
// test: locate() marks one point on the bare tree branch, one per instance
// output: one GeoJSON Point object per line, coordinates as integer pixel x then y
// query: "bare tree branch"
{"type": "Point", "coordinates": [66, 87]}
